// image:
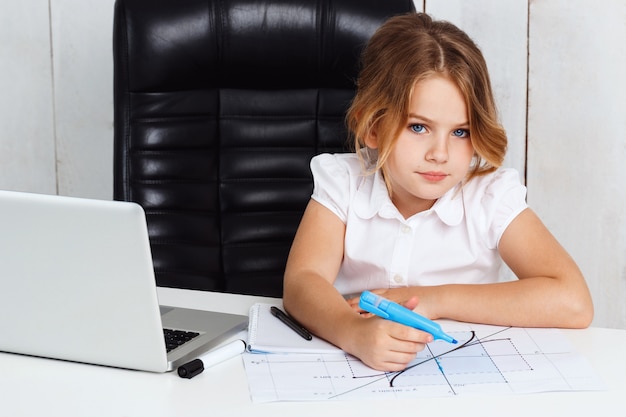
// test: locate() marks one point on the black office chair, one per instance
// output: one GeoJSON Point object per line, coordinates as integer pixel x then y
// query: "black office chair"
{"type": "Point", "coordinates": [219, 107]}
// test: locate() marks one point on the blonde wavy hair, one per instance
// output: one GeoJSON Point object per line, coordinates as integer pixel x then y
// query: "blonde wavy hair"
{"type": "Point", "coordinates": [405, 50]}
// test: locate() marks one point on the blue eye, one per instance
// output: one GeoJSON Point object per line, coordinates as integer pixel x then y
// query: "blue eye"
{"type": "Point", "coordinates": [461, 133]}
{"type": "Point", "coordinates": [417, 128]}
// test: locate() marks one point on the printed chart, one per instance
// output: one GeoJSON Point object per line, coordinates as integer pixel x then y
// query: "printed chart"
{"type": "Point", "coordinates": [487, 360]}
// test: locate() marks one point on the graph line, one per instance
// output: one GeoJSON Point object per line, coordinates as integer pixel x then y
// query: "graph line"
{"type": "Point", "coordinates": [392, 376]}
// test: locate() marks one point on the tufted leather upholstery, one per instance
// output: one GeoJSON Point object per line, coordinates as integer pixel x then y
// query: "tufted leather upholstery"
{"type": "Point", "coordinates": [219, 107]}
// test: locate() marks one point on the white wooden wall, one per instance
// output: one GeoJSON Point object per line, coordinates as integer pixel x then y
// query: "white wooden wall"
{"type": "Point", "coordinates": [557, 67]}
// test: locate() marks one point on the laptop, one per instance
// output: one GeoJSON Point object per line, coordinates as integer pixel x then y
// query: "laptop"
{"type": "Point", "coordinates": [77, 283]}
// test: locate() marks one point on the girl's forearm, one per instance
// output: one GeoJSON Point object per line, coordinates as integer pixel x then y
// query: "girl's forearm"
{"type": "Point", "coordinates": [318, 306]}
{"type": "Point", "coordinates": [531, 302]}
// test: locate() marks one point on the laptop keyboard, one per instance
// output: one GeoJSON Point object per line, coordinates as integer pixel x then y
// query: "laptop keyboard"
{"type": "Point", "coordinates": [176, 338]}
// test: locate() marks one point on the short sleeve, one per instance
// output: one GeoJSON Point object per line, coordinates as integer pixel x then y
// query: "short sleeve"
{"type": "Point", "coordinates": [332, 182]}
{"type": "Point", "coordinates": [504, 198]}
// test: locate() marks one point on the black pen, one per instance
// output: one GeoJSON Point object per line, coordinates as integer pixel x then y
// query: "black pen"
{"type": "Point", "coordinates": [294, 325]}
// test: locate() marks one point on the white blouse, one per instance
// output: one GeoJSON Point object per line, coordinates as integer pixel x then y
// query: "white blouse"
{"type": "Point", "coordinates": [455, 241]}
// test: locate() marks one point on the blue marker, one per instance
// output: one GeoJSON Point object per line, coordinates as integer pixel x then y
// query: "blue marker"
{"type": "Point", "coordinates": [389, 310]}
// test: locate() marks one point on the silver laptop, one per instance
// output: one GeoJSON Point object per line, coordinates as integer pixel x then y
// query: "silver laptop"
{"type": "Point", "coordinates": [77, 283]}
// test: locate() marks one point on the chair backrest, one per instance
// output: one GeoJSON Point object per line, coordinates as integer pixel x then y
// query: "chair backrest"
{"type": "Point", "coordinates": [219, 107]}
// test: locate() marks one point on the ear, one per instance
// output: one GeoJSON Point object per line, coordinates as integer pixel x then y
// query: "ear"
{"type": "Point", "coordinates": [371, 139]}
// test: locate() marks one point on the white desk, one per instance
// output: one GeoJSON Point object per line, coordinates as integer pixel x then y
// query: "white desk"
{"type": "Point", "coordinates": [43, 387]}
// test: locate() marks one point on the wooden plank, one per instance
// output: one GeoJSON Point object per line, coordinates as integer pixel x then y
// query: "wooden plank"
{"type": "Point", "coordinates": [577, 139]}
{"type": "Point", "coordinates": [500, 31]}
{"type": "Point", "coordinates": [27, 160]}
{"type": "Point", "coordinates": [83, 80]}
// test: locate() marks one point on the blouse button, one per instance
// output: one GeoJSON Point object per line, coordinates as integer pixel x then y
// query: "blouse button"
{"type": "Point", "coordinates": [398, 279]}
{"type": "Point", "coordinates": [406, 229]}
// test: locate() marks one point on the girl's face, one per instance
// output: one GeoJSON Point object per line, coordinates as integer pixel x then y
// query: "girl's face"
{"type": "Point", "coordinates": [434, 151]}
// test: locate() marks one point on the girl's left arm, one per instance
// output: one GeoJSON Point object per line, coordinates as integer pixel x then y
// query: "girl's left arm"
{"type": "Point", "coordinates": [551, 288]}
{"type": "Point", "coordinates": [550, 292]}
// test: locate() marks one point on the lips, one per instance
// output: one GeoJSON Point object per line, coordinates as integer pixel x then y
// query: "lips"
{"type": "Point", "coordinates": [433, 176]}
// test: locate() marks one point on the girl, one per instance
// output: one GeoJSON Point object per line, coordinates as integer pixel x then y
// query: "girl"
{"type": "Point", "coordinates": [421, 213]}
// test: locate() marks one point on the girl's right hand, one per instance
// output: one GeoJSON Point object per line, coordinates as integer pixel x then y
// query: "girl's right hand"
{"type": "Point", "coordinates": [383, 344]}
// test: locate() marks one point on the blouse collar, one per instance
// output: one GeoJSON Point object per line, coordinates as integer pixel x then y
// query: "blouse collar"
{"type": "Point", "coordinates": [372, 198]}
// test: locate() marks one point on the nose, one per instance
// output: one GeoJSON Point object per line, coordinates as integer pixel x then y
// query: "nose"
{"type": "Point", "coordinates": [438, 150]}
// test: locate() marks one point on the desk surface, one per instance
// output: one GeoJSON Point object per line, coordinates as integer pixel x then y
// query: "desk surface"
{"type": "Point", "coordinates": [37, 387]}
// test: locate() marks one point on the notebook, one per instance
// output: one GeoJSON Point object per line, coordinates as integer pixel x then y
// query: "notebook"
{"type": "Point", "coordinates": [77, 283]}
{"type": "Point", "coordinates": [267, 334]}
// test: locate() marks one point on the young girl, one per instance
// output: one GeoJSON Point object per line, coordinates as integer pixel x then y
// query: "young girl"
{"type": "Point", "coordinates": [421, 213]}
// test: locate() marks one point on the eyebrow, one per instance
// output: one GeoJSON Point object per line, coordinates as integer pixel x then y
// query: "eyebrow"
{"type": "Point", "coordinates": [427, 120]}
